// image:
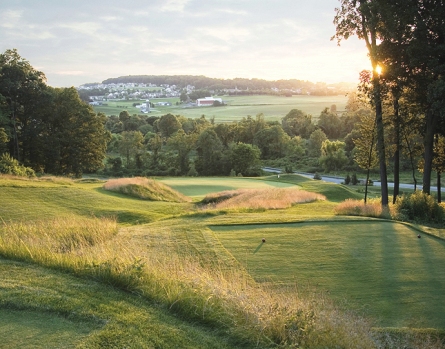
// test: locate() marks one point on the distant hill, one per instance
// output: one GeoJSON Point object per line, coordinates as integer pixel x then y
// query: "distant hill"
{"type": "Point", "coordinates": [205, 83]}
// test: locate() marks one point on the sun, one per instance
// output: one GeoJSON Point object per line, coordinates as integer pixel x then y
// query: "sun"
{"type": "Point", "coordinates": [378, 70]}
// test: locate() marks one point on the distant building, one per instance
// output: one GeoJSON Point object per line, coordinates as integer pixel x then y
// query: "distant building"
{"type": "Point", "coordinates": [207, 101]}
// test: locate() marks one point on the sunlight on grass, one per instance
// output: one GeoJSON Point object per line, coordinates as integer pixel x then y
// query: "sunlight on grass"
{"type": "Point", "coordinates": [277, 198]}
{"type": "Point", "coordinates": [373, 208]}
{"type": "Point", "coordinates": [145, 188]}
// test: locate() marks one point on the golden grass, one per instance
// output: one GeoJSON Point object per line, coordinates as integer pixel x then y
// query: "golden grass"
{"type": "Point", "coordinates": [276, 198]}
{"type": "Point", "coordinates": [350, 207]}
{"type": "Point", "coordinates": [60, 235]}
{"type": "Point", "coordinates": [145, 188]}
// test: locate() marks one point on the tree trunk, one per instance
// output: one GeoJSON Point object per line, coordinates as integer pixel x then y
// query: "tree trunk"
{"type": "Point", "coordinates": [429, 151]}
{"type": "Point", "coordinates": [439, 193]}
{"type": "Point", "coordinates": [397, 152]}
{"type": "Point", "coordinates": [380, 139]}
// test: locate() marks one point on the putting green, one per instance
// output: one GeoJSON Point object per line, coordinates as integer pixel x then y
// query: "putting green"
{"type": "Point", "coordinates": [378, 267]}
{"type": "Point", "coordinates": [204, 185]}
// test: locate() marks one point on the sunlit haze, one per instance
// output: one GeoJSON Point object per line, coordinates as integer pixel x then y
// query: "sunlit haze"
{"type": "Point", "coordinates": [76, 42]}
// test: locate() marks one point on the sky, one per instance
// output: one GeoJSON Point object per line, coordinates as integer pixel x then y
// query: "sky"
{"type": "Point", "coordinates": [77, 42]}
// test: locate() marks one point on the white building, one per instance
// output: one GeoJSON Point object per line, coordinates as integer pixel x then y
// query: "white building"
{"type": "Point", "coordinates": [207, 101]}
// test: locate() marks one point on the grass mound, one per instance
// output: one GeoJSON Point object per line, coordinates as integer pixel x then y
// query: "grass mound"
{"type": "Point", "coordinates": [146, 189]}
{"type": "Point", "coordinates": [276, 198]}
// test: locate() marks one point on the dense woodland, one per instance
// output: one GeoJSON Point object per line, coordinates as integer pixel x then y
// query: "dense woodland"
{"type": "Point", "coordinates": [395, 121]}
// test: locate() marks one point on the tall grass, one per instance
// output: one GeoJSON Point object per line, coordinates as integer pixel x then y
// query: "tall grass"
{"type": "Point", "coordinates": [218, 294]}
{"type": "Point", "coordinates": [417, 207]}
{"type": "Point", "coordinates": [373, 208]}
{"type": "Point", "coordinates": [276, 198]}
{"type": "Point", "coordinates": [145, 188]}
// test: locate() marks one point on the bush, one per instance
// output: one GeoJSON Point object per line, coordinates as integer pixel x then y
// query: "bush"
{"type": "Point", "coordinates": [418, 207]}
{"type": "Point", "coordinates": [348, 179]}
{"type": "Point", "coordinates": [354, 179]}
{"type": "Point", "coordinates": [317, 176]}
{"type": "Point", "coordinates": [9, 165]}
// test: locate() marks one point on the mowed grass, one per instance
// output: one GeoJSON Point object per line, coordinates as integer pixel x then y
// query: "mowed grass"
{"type": "Point", "coordinates": [273, 107]}
{"type": "Point", "coordinates": [201, 186]}
{"type": "Point", "coordinates": [36, 200]}
{"type": "Point", "coordinates": [377, 267]}
{"type": "Point", "coordinates": [184, 273]}
{"type": "Point", "coordinates": [41, 308]}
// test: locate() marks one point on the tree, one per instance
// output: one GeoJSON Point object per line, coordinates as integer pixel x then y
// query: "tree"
{"type": "Point", "coordinates": [3, 140]}
{"type": "Point", "coordinates": [330, 123]}
{"type": "Point", "coordinates": [439, 162]}
{"type": "Point", "coordinates": [20, 85]}
{"type": "Point", "coordinates": [296, 148]}
{"type": "Point", "coordinates": [183, 97]}
{"type": "Point", "coordinates": [316, 139]}
{"type": "Point", "coordinates": [182, 144]}
{"type": "Point", "coordinates": [244, 157]}
{"type": "Point", "coordinates": [209, 150]}
{"type": "Point", "coordinates": [130, 145]}
{"type": "Point", "coordinates": [74, 136]}
{"type": "Point", "coordinates": [272, 141]}
{"type": "Point", "coordinates": [248, 127]}
{"type": "Point", "coordinates": [362, 18]}
{"type": "Point", "coordinates": [365, 152]}
{"type": "Point", "coordinates": [297, 123]}
{"type": "Point", "coordinates": [333, 155]}
{"type": "Point", "coordinates": [155, 144]}
{"type": "Point", "coordinates": [168, 124]}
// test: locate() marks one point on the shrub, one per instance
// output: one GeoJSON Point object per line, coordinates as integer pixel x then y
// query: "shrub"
{"type": "Point", "coordinates": [288, 169]}
{"type": "Point", "coordinates": [348, 179]}
{"type": "Point", "coordinates": [317, 176]}
{"type": "Point", "coordinates": [9, 165]}
{"type": "Point", "coordinates": [354, 179]}
{"type": "Point", "coordinates": [418, 207]}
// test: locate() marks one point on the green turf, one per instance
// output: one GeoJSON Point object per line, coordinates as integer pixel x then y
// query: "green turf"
{"type": "Point", "coordinates": [201, 186]}
{"type": "Point", "coordinates": [378, 267]}
{"type": "Point", "coordinates": [31, 329]}
{"type": "Point", "coordinates": [51, 199]}
{"type": "Point", "coordinates": [38, 305]}
{"type": "Point", "coordinates": [273, 107]}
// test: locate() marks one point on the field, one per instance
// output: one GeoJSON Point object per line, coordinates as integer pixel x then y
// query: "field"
{"type": "Point", "coordinates": [176, 275]}
{"type": "Point", "coordinates": [273, 107]}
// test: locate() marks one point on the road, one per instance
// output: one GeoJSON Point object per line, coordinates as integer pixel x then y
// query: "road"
{"type": "Point", "coordinates": [340, 180]}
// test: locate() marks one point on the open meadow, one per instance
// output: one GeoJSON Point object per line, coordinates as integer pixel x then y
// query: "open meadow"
{"type": "Point", "coordinates": [274, 108]}
{"type": "Point", "coordinates": [84, 266]}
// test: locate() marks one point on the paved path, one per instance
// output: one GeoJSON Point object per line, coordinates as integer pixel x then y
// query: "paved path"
{"type": "Point", "coordinates": [340, 180]}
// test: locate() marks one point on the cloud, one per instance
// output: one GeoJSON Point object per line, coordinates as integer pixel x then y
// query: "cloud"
{"type": "Point", "coordinates": [70, 72]}
{"type": "Point", "coordinates": [174, 5]}
{"type": "Point", "coordinates": [95, 40]}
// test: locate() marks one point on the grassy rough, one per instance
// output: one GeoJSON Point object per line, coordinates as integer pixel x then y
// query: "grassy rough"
{"type": "Point", "coordinates": [277, 198]}
{"type": "Point", "coordinates": [175, 263]}
{"type": "Point", "coordinates": [145, 188]}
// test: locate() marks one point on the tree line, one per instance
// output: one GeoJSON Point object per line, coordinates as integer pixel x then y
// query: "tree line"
{"type": "Point", "coordinates": [49, 130]}
{"type": "Point", "coordinates": [242, 85]}
{"type": "Point", "coordinates": [406, 88]}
